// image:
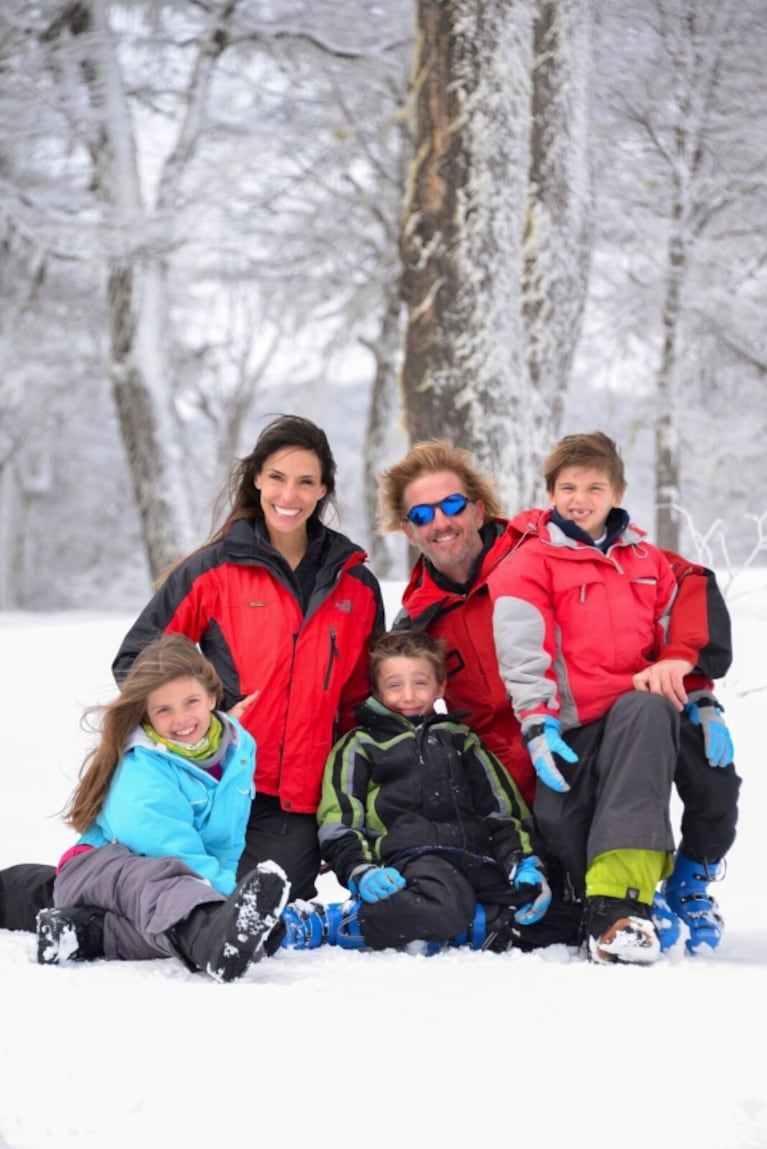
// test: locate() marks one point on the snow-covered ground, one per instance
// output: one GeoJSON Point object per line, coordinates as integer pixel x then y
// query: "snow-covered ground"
{"type": "Point", "coordinates": [337, 1048]}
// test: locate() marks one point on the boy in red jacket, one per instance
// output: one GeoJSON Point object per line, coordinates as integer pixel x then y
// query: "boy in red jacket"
{"type": "Point", "coordinates": [581, 612]}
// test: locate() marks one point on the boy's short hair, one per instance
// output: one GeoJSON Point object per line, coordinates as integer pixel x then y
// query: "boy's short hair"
{"type": "Point", "coordinates": [587, 449]}
{"type": "Point", "coordinates": [407, 644]}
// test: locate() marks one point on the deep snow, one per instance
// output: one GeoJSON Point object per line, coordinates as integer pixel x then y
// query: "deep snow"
{"type": "Point", "coordinates": [336, 1048]}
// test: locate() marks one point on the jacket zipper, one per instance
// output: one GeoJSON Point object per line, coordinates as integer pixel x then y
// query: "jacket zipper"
{"type": "Point", "coordinates": [333, 655]}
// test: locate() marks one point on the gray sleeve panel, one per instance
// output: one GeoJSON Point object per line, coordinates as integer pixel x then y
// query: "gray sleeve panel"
{"type": "Point", "coordinates": [524, 664]}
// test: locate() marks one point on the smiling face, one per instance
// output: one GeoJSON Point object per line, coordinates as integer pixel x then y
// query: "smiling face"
{"type": "Point", "coordinates": [180, 710]}
{"type": "Point", "coordinates": [290, 486]}
{"type": "Point", "coordinates": [585, 495]}
{"type": "Point", "coordinates": [450, 542]}
{"type": "Point", "coordinates": [408, 686]}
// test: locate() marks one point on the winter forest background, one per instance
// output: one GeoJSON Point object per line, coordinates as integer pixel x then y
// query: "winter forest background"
{"type": "Point", "coordinates": [495, 222]}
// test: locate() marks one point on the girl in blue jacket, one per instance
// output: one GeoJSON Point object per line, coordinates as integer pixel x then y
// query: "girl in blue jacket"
{"type": "Point", "coordinates": [162, 806]}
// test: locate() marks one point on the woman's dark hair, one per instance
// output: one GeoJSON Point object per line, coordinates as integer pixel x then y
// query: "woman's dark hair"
{"type": "Point", "coordinates": [239, 494]}
{"type": "Point", "coordinates": [284, 431]}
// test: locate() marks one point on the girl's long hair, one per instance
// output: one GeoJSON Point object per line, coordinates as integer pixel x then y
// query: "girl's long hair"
{"type": "Point", "coordinates": [166, 658]}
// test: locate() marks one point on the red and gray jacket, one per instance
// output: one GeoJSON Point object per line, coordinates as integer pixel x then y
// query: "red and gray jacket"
{"type": "Point", "coordinates": [310, 668]}
{"type": "Point", "coordinates": [699, 630]}
{"type": "Point", "coordinates": [573, 624]}
{"type": "Point", "coordinates": [464, 622]}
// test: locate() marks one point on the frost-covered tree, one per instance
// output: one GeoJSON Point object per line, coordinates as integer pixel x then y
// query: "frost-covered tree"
{"type": "Point", "coordinates": [683, 196]}
{"type": "Point", "coordinates": [494, 239]}
{"type": "Point", "coordinates": [214, 181]}
{"type": "Point", "coordinates": [558, 225]}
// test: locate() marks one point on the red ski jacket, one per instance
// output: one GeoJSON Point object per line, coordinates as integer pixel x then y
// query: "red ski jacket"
{"type": "Point", "coordinates": [310, 668]}
{"type": "Point", "coordinates": [699, 630]}
{"type": "Point", "coordinates": [464, 622]}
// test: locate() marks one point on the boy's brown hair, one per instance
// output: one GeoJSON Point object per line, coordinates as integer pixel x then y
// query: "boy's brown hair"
{"type": "Point", "coordinates": [587, 449]}
{"type": "Point", "coordinates": [407, 644]}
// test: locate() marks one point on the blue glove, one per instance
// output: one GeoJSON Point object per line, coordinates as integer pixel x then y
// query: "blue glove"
{"type": "Point", "coordinates": [543, 741]}
{"type": "Point", "coordinates": [706, 712]}
{"type": "Point", "coordinates": [377, 883]}
{"type": "Point", "coordinates": [529, 877]}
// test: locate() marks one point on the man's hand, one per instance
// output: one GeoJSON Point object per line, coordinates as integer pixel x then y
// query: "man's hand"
{"type": "Point", "coordinates": [703, 710]}
{"type": "Point", "coordinates": [667, 678]}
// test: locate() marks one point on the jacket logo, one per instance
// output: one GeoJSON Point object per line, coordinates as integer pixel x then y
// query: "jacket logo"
{"type": "Point", "coordinates": [345, 605]}
{"type": "Point", "coordinates": [258, 602]}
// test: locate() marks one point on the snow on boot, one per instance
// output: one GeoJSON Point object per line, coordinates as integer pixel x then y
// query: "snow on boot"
{"type": "Point", "coordinates": [343, 925]}
{"type": "Point", "coordinates": [620, 930]}
{"type": "Point", "coordinates": [667, 924]}
{"type": "Point", "coordinates": [305, 925]}
{"type": "Point", "coordinates": [223, 938]}
{"type": "Point", "coordinates": [686, 892]}
{"type": "Point", "coordinates": [70, 934]}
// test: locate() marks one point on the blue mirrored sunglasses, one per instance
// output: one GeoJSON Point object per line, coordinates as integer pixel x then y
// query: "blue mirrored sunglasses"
{"type": "Point", "coordinates": [423, 513]}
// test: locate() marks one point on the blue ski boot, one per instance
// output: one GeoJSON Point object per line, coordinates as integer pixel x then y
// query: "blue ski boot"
{"type": "Point", "coordinates": [476, 935]}
{"type": "Point", "coordinates": [343, 928]}
{"type": "Point", "coordinates": [686, 892]}
{"type": "Point", "coordinates": [473, 937]}
{"type": "Point", "coordinates": [305, 926]}
{"type": "Point", "coordinates": [667, 925]}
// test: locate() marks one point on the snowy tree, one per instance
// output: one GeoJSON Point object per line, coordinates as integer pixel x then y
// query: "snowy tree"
{"type": "Point", "coordinates": [216, 188]}
{"type": "Point", "coordinates": [683, 198]}
{"type": "Point", "coordinates": [494, 240]}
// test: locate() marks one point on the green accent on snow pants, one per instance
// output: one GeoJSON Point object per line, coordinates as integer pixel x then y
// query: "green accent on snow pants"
{"type": "Point", "coordinates": [619, 872]}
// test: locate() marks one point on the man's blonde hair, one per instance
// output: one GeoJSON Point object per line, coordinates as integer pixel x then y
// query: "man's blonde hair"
{"type": "Point", "coordinates": [427, 458]}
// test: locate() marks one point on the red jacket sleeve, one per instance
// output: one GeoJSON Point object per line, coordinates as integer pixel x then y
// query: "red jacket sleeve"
{"type": "Point", "coordinates": [699, 626]}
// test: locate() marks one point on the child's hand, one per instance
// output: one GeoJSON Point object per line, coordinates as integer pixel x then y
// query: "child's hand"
{"type": "Point", "coordinates": [240, 707]}
{"type": "Point", "coordinates": [665, 677]}
{"type": "Point", "coordinates": [377, 883]}
{"type": "Point", "coordinates": [529, 877]}
{"type": "Point", "coordinates": [543, 741]}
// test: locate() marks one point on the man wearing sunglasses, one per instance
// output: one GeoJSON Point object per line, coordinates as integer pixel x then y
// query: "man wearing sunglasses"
{"type": "Point", "coordinates": [451, 516]}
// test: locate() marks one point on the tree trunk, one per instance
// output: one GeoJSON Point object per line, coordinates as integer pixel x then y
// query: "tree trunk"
{"type": "Point", "coordinates": [387, 554]}
{"type": "Point", "coordinates": [558, 230]}
{"type": "Point", "coordinates": [493, 282]}
{"type": "Point", "coordinates": [667, 498]}
{"type": "Point", "coordinates": [148, 427]}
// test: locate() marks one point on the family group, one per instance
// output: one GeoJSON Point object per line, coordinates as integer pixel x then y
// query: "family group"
{"type": "Point", "coordinates": [495, 770]}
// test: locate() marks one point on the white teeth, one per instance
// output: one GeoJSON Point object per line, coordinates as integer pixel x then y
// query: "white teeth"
{"type": "Point", "coordinates": [287, 511]}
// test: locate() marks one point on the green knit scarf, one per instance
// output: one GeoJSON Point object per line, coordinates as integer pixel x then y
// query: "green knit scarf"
{"type": "Point", "coordinates": [205, 748]}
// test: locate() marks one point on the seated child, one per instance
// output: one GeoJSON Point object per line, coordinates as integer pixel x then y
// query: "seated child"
{"type": "Point", "coordinates": [424, 826]}
{"type": "Point", "coordinates": [162, 806]}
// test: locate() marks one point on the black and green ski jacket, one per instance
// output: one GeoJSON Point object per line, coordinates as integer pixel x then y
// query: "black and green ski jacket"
{"type": "Point", "coordinates": [393, 788]}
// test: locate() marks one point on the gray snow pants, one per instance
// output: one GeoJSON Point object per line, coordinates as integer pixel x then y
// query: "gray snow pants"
{"type": "Point", "coordinates": [143, 897]}
{"type": "Point", "coordinates": [620, 787]}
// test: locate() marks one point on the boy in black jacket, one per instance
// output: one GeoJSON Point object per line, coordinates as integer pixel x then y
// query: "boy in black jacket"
{"type": "Point", "coordinates": [424, 826]}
